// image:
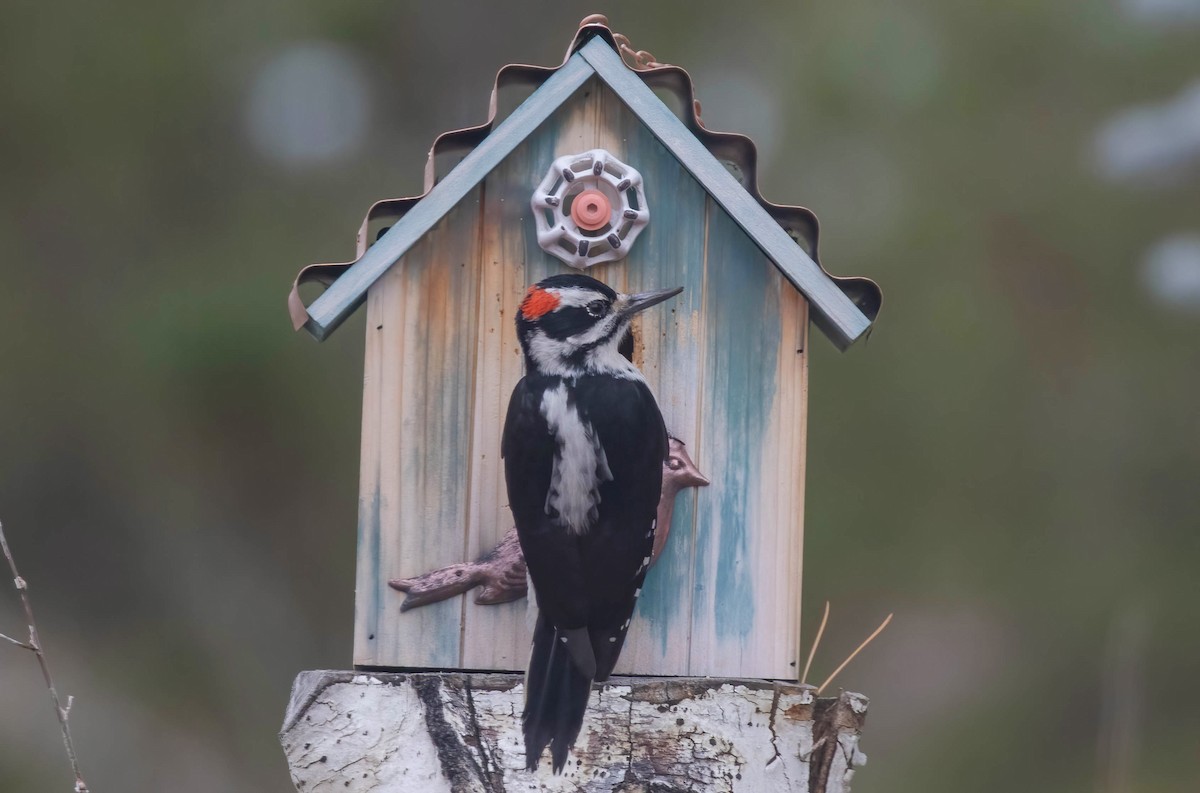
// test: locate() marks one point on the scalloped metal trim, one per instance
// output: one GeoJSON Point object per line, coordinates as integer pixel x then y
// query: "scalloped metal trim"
{"type": "Point", "coordinates": [732, 148]}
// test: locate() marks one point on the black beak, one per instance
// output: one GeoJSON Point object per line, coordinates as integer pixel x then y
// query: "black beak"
{"type": "Point", "coordinates": [644, 300]}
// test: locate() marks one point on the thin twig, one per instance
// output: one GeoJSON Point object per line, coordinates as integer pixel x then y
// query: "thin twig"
{"type": "Point", "coordinates": [35, 646]}
{"type": "Point", "coordinates": [18, 642]}
{"type": "Point", "coordinates": [816, 643]}
{"type": "Point", "coordinates": [866, 641]}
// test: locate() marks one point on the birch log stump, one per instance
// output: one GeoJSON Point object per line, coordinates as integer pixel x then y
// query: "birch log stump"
{"type": "Point", "coordinates": [461, 733]}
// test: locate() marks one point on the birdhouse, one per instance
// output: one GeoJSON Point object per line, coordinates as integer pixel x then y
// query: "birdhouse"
{"type": "Point", "coordinates": [592, 172]}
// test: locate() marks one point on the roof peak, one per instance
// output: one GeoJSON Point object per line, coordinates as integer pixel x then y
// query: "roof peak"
{"type": "Point", "coordinates": [844, 308]}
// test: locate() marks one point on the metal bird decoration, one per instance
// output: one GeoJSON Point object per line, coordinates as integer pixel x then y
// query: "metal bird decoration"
{"type": "Point", "coordinates": [501, 571]}
{"type": "Point", "coordinates": [679, 473]}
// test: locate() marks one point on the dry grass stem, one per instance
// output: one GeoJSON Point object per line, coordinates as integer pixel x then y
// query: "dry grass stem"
{"type": "Point", "coordinates": [866, 641]}
{"type": "Point", "coordinates": [816, 643]}
{"type": "Point", "coordinates": [34, 645]}
{"type": "Point", "coordinates": [18, 642]}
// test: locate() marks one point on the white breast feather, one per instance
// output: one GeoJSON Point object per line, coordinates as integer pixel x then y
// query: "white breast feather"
{"type": "Point", "coordinates": [580, 464]}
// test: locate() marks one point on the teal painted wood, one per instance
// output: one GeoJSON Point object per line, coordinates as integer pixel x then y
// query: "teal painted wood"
{"type": "Point", "coordinates": [741, 344]}
{"type": "Point", "coordinates": [347, 293]}
{"type": "Point", "coordinates": [368, 600]}
{"type": "Point", "coordinates": [835, 313]}
{"type": "Point", "coordinates": [670, 252]}
{"type": "Point", "coordinates": [424, 424]}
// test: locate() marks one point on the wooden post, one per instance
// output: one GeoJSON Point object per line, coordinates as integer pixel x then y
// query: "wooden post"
{"type": "Point", "coordinates": [441, 732]}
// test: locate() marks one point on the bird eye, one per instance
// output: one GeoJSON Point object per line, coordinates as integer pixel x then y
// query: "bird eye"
{"type": "Point", "coordinates": [597, 308]}
{"type": "Point", "coordinates": [674, 463]}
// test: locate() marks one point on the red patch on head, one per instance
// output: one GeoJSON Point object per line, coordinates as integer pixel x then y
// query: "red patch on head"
{"type": "Point", "coordinates": [538, 303]}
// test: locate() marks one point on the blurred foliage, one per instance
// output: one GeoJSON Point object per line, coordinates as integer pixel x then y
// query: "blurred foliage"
{"type": "Point", "coordinates": [1010, 463]}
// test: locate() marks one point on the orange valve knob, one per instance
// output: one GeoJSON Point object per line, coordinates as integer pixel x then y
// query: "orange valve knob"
{"type": "Point", "coordinates": [591, 210]}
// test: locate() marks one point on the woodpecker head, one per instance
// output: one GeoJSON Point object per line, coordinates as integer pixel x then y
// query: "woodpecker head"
{"type": "Point", "coordinates": [571, 325]}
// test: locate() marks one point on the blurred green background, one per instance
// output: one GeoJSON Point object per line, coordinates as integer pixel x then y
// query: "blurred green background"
{"type": "Point", "coordinates": [1011, 464]}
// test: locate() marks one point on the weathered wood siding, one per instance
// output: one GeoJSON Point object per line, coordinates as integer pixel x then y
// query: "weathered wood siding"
{"type": "Point", "coordinates": [726, 360]}
{"type": "Point", "coordinates": [417, 419]}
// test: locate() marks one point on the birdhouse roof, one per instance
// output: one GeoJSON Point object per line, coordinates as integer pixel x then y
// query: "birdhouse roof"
{"type": "Point", "coordinates": [724, 164]}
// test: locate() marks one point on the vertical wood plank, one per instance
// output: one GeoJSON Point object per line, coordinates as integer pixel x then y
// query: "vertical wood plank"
{"type": "Point", "coordinates": [798, 455]}
{"type": "Point", "coordinates": [745, 585]}
{"type": "Point", "coordinates": [782, 560]}
{"type": "Point", "coordinates": [387, 633]}
{"type": "Point", "coordinates": [670, 252]}
{"type": "Point", "coordinates": [367, 612]}
{"type": "Point", "coordinates": [424, 426]}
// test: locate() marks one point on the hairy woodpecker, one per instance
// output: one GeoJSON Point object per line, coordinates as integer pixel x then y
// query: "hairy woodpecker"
{"type": "Point", "coordinates": [583, 447]}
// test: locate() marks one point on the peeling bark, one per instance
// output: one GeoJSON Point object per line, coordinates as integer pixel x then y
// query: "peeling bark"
{"type": "Point", "coordinates": [461, 733]}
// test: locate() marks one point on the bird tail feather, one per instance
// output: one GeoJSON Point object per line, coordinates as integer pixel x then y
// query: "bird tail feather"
{"type": "Point", "coordinates": [556, 697]}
